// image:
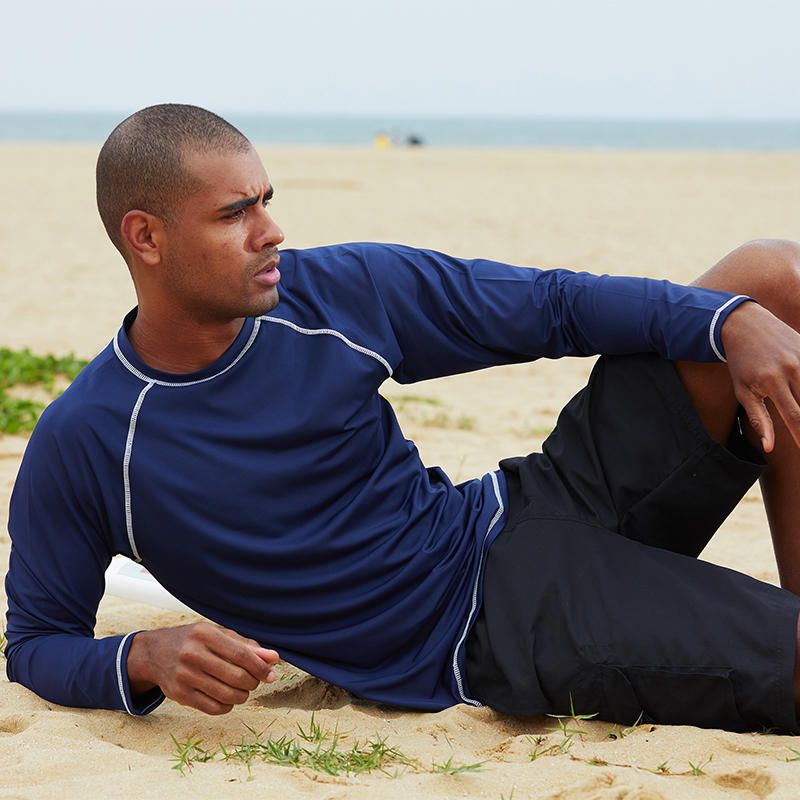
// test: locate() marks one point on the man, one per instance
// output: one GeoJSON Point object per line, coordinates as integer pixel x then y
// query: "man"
{"type": "Point", "coordinates": [231, 438]}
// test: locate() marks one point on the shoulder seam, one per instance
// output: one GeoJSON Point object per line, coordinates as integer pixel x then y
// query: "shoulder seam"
{"type": "Point", "coordinates": [331, 332]}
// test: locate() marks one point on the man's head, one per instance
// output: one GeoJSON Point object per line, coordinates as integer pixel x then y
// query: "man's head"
{"type": "Point", "coordinates": [182, 195]}
{"type": "Point", "coordinates": [142, 164]}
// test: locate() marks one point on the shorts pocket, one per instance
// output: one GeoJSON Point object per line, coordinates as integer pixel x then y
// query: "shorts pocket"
{"type": "Point", "coordinates": [703, 697]}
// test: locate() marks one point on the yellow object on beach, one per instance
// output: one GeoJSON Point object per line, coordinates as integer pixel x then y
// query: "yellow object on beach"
{"type": "Point", "coordinates": [382, 141]}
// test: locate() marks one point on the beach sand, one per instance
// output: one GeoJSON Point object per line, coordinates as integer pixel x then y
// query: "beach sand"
{"type": "Point", "coordinates": [667, 215]}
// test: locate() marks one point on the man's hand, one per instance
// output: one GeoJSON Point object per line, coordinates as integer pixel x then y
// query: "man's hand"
{"type": "Point", "coordinates": [202, 665]}
{"type": "Point", "coordinates": [764, 362]}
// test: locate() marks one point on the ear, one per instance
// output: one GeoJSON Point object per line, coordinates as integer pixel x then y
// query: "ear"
{"type": "Point", "coordinates": [143, 234]}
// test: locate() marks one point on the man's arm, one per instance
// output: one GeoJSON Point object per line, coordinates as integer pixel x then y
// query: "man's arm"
{"type": "Point", "coordinates": [55, 581]}
{"type": "Point", "coordinates": [448, 315]}
{"type": "Point", "coordinates": [54, 584]}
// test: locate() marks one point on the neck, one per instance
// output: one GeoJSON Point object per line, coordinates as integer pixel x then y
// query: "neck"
{"type": "Point", "coordinates": [170, 343]}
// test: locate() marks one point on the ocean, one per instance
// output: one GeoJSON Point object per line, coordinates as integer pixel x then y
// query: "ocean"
{"type": "Point", "coordinates": [297, 129]}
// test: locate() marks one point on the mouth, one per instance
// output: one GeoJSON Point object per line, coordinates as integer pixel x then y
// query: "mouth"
{"type": "Point", "coordinates": [269, 274]}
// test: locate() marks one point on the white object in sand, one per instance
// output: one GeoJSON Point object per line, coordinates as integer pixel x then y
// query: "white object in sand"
{"type": "Point", "coordinates": [126, 578]}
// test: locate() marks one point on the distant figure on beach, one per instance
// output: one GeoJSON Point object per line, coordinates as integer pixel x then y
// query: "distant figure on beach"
{"type": "Point", "coordinates": [382, 141]}
{"type": "Point", "coordinates": [414, 140]}
{"type": "Point", "coordinates": [231, 438]}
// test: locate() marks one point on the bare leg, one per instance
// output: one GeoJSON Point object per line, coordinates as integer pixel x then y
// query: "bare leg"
{"type": "Point", "coordinates": [769, 272]}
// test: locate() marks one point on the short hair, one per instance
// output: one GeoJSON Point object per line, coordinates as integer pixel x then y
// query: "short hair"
{"type": "Point", "coordinates": [141, 164]}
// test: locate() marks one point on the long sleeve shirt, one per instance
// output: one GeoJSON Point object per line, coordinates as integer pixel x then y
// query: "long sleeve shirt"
{"type": "Point", "coordinates": [274, 492]}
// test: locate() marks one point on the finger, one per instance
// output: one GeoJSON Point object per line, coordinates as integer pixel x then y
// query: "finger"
{"type": "Point", "coordinates": [208, 705]}
{"type": "Point", "coordinates": [221, 692]}
{"type": "Point", "coordinates": [269, 655]}
{"type": "Point", "coordinates": [235, 651]}
{"type": "Point", "coordinates": [759, 419]}
{"type": "Point", "coordinates": [788, 408]}
{"type": "Point", "coordinates": [206, 661]}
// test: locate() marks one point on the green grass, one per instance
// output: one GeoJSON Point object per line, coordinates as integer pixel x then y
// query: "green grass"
{"type": "Point", "coordinates": [23, 368]}
{"type": "Point", "coordinates": [620, 733]}
{"type": "Point", "coordinates": [449, 768]}
{"type": "Point", "coordinates": [542, 748]}
{"type": "Point", "coordinates": [563, 721]}
{"type": "Point", "coordinates": [699, 768]}
{"type": "Point", "coordinates": [189, 753]}
{"type": "Point", "coordinates": [315, 748]}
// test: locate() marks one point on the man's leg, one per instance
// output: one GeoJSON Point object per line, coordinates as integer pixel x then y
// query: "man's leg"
{"type": "Point", "coordinates": [769, 272]}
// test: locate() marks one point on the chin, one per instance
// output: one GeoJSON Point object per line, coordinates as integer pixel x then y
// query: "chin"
{"type": "Point", "coordinates": [267, 303]}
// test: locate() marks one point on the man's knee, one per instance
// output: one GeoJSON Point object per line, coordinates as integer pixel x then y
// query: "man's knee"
{"type": "Point", "coordinates": [768, 270]}
{"type": "Point", "coordinates": [777, 278]}
{"type": "Point", "coordinates": [776, 252]}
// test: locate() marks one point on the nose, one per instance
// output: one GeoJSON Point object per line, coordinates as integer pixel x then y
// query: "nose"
{"type": "Point", "coordinates": [266, 232]}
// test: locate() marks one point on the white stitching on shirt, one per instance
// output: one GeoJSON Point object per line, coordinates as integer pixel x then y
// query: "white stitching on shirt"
{"type": "Point", "coordinates": [713, 325]}
{"type": "Point", "coordinates": [473, 607]}
{"type": "Point", "coordinates": [331, 332]}
{"type": "Point", "coordinates": [126, 478]}
{"type": "Point", "coordinates": [139, 374]}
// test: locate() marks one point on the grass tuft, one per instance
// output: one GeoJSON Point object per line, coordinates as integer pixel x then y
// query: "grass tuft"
{"type": "Point", "coordinates": [188, 753]}
{"type": "Point", "coordinates": [542, 748]}
{"type": "Point", "coordinates": [795, 757]}
{"type": "Point", "coordinates": [315, 748]}
{"type": "Point", "coordinates": [449, 768]}
{"type": "Point", "coordinates": [620, 733]}
{"type": "Point", "coordinates": [23, 368]}
{"type": "Point", "coordinates": [698, 769]}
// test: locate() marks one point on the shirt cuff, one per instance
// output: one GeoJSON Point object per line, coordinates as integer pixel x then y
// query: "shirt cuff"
{"type": "Point", "coordinates": [138, 705]}
{"type": "Point", "coordinates": [717, 321]}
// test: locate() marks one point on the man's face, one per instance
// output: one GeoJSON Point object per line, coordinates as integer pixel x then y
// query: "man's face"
{"type": "Point", "coordinates": [220, 257]}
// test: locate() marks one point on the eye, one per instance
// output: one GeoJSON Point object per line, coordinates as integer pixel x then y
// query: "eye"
{"type": "Point", "coordinates": [265, 201]}
{"type": "Point", "coordinates": [236, 214]}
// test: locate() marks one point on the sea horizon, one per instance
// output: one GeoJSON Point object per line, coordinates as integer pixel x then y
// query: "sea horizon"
{"type": "Point", "coordinates": [441, 131]}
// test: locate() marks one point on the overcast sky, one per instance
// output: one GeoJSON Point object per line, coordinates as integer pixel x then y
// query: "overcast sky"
{"type": "Point", "coordinates": [574, 58]}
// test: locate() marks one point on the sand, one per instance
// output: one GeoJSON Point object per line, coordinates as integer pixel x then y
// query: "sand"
{"type": "Point", "coordinates": [63, 288]}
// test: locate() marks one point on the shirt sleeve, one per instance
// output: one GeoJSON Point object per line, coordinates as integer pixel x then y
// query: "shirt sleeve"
{"type": "Point", "coordinates": [55, 581]}
{"type": "Point", "coordinates": [450, 315]}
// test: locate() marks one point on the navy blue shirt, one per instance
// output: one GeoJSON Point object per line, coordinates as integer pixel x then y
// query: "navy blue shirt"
{"type": "Point", "coordinates": [274, 492]}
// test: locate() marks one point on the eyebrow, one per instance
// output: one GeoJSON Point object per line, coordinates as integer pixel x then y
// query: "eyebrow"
{"type": "Point", "coordinates": [248, 201]}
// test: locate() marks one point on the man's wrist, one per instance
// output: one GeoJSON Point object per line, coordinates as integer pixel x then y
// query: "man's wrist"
{"type": "Point", "coordinates": [728, 332]}
{"type": "Point", "coordinates": [141, 678]}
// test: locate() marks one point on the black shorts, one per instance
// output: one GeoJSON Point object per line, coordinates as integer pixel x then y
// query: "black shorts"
{"type": "Point", "coordinates": [593, 594]}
